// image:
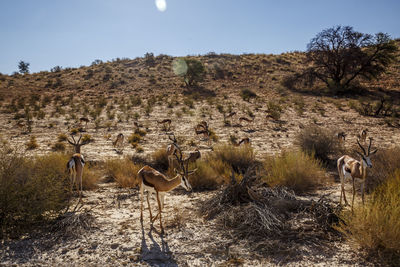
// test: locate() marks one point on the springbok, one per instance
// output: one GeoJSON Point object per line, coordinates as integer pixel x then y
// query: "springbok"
{"type": "Point", "coordinates": [202, 129]}
{"type": "Point", "coordinates": [76, 163]}
{"type": "Point", "coordinates": [119, 141]}
{"type": "Point", "coordinates": [166, 123]}
{"type": "Point", "coordinates": [363, 135]}
{"type": "Point", "coordinates": [153, 181]}
{"type": "Point", "coordinates": [349, 167]}
{"type": "Point", "coordinates": [171, 149]}
{"type": "Point", "coordinates": [341, 137]}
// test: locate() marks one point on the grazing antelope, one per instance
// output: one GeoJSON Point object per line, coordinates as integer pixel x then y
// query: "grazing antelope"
{"type": "Point", "coordinates": [153, 181]}
{"type": "Point", "coordinates": [76, 163]}
{"type": "Point", "coordinates": [349, 167]}
{"type": "Point", "coordinates": [84, 119]}
{"type": "Point", "coordinates": [233, 113]}
{"type": "Point", "coordinates": [202, 129]}
{"type": "Point", "coordinates": [363, 135]}
{"type": "Point", "coordinates": [166, 123]}
{"type": "Point", "coordinates": [242, 119]}
{"type": "Point", "coordinates": [245, 141]}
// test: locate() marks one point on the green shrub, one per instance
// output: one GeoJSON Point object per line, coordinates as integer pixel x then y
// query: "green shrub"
{"type": "Point", "coordinates": [295, 170]}
{"type": "Point", "coordinates": [31, 190]}
{"type": "Point", "coordinates": [376, 225]}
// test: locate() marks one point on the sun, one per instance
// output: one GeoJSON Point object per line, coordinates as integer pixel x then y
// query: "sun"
{"type": "Point", "coordinates": [161, 5]}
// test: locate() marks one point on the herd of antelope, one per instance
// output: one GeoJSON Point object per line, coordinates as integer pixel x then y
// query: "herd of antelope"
{"type": "Point", "coordinates": [154, 182]}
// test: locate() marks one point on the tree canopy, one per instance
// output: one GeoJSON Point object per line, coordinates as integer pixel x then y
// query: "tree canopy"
{"type": "Point", "coordinates": [339, 55]}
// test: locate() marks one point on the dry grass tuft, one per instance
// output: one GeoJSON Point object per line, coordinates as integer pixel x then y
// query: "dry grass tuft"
{"type": "Point", "coordinates": [210, 174]}
{"type": "Point", "coordinates": [295, 170]}
{"type": "Point", "coordinates": [123, 172]}
{"type": "Point", "coordinates": [376, 226]}
{"type": "Point", "coordinates": [385, 162]}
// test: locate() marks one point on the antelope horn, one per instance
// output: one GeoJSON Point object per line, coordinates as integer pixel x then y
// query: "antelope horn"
{"type": "Point", "coordinates": [79, 139]}
{"type": "Point", "coordinates": [363, 149]}
{"type": "Point", "coordinates": [369, 146]}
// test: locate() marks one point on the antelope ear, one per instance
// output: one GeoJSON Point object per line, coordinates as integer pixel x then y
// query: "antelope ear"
{"type": "Point", "coordinates": [192, 171]}
{"type": "Point", "coordinates": [373, 152]}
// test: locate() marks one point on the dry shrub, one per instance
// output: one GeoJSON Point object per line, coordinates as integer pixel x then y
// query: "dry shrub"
{"type": "Point", "coordinates": [73, 225]}
{"type": "Point", "coordinates": [160, 159]}
{"type": "Point", "coordinates": [123, 172]}
{"type": "Point", "coordinates": [32, 143]}
{"type": "Point", "coordinates": [295, 170]}
{"type": "Point", "coordinates": [239, 158]}
{"type": "Point", "coordinates": [90, 178]}
{"type": "Point", "coordinates": [210, 174]}
{"type": "Point", "coordinates": [384, 163]}
{"type": "Point", "coordinates": [31, 190]}
{"type": "Point", "coordinates": [215, 169]}
{"type": "Point", "coordinates": [317, 141]}
{"type": "Point", "coordinates": [269, 220]}
{"type": "Point", "coordinates": [376, 226]}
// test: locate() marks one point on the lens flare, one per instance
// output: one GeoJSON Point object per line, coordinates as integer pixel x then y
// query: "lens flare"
{"type": "Point", "coordinates": [179, 66]}
{"type": "Point", "coordinates": [161, 5]}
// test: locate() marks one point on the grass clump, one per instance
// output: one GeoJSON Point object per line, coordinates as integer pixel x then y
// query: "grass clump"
{"type": "Point", "coordinates": [375, 226]}
{"type": "Point", "coordinates": [210, 174]}
{"type": "Point", "coordinates": [123, 172]}
{"type": "Point", "coordinates": [295, 170]}
{"type": "Point", "coordinates": [58, 147]}
{"type": "Point", "coordinates": [317, 141]}
{"type": "Point", "coordinates": [160, 160]}
{"type": "Point", "coordinates": [247, 94]}
{"type": "Point", "coordinates": [134, 139]}
{"type": "Point", "coordinates": [32, 143]}
{"type": "Point", "coordinates": [32, 190]}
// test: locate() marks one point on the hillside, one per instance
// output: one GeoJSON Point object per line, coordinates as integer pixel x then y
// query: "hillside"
{"type": "Point", "coordinates": [115, 94]}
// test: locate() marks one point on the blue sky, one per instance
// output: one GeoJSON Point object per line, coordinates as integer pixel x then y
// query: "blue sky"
{"type": "Point", "coordinates": [47, 33]}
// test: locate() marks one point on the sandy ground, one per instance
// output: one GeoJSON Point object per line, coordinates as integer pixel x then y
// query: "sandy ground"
{"type": "Point", "coordinates": [116, 238]}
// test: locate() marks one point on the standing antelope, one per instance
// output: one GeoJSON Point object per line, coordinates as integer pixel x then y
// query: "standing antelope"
{"type": "Point", "coordinates": [349, 167]}
{"type": "Point", "coordinates": [202, 128]}
{"type": "Point", "coordinates": [171, 149]}
{"type": "Point", "coordinates": [119, 141]}
{"type": "Point", "coordinates": [84, 119]}
{"type": "Point", "coordinates": [363, 135]}
{"type": "Point", "coordinates": [154, 181]}
{"type": "Point", "coordinates": [76, 163]}
{"type": "Point", "coordinates": [341, 137]}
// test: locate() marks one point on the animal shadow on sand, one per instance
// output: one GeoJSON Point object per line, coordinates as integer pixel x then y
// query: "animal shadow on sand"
{"type": "Point", "coordinates": [156, 253]}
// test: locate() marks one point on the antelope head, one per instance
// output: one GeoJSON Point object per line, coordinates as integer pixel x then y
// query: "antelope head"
{"type": "Point", "coordinates": [184, 170]}
{"type": "Point", "coordinates": [77, 144]}
{"type": "Point", "coordinates": [365, 157]}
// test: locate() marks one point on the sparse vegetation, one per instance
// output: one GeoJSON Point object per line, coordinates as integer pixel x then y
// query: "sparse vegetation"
{"type": "Point", "coordinates": [123, 172]}
{"type": "Point", "coordinates": [375, 226]}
